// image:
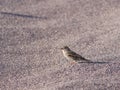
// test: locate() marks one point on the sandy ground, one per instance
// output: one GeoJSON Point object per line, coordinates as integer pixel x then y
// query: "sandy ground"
{"type": "Point", "coordinates": [32, 31]}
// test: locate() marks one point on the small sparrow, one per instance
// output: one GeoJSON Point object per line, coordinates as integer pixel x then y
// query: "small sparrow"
{"type": "Point", "coordinates": [71, 55]}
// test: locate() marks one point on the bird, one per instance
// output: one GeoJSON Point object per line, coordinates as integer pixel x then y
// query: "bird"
{"type": "Point", "coordinates": [73, 56]}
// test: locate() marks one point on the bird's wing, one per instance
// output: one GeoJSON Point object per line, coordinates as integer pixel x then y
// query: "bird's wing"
{"type": "Point", "coordinates": [76, 56]}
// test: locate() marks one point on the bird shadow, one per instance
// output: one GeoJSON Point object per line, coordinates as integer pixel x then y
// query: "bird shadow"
{"type": "Point", "coordinates": [95, 62]}
{"type": "Point", "coordinates": [22, 15]}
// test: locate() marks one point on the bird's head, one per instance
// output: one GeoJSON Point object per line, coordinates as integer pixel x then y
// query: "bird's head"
{"type": "Point", "coordinates": [65, 48]}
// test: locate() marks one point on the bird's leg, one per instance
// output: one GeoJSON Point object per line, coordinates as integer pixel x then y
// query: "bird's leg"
{"type": "Point", "coordinates": [73, 62]}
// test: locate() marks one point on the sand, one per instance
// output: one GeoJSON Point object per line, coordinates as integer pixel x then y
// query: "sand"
{"type": "Point", "coordinates": [33, 31]}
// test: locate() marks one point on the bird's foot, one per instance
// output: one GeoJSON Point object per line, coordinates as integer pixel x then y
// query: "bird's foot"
{"type": "Point", "coordinates": [73, 62]}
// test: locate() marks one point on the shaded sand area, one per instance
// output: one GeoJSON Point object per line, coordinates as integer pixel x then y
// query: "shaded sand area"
{"type": "Point", "coordinates": [32, 31]}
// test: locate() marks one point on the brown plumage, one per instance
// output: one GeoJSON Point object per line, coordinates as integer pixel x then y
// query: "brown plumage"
{"type": "Point", "coordinates": [71, 55]}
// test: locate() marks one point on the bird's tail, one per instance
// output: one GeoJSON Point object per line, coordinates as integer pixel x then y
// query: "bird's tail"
{"type": "Point", "coordinates": [86, 60]}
